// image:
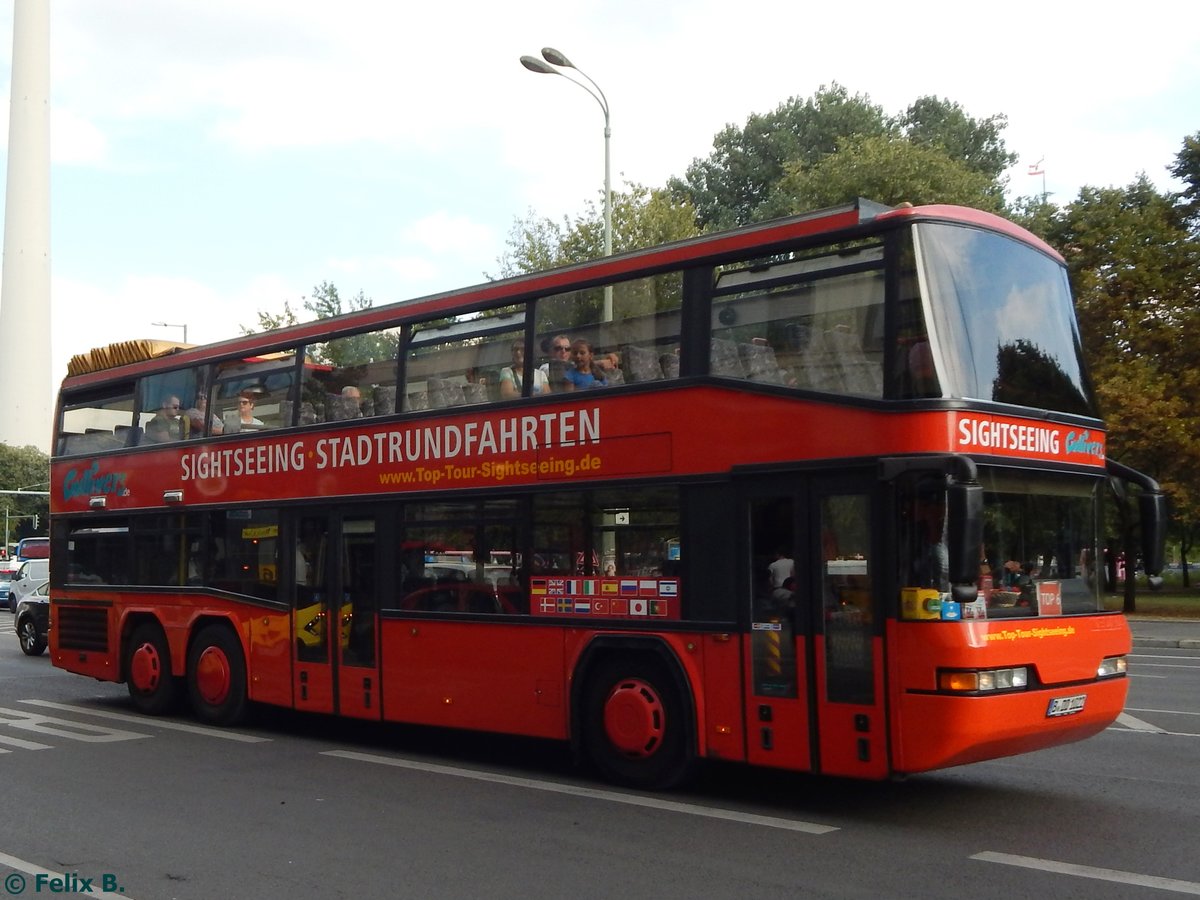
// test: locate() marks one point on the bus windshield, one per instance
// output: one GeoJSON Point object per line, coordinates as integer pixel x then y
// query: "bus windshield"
{"type": "Point", "coordinates": [1003, 320]}
{"type": "Point", "coordinates": [1040, 543]}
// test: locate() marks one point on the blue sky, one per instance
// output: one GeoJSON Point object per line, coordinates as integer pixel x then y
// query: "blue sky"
{"type": "Point", "coordinates": [211, 159]}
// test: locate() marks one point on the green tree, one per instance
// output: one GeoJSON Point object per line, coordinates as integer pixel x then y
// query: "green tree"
{"type": "Point", "coordinates": [889, 170]}
{"type": "Point", "coordinates": [942, 155]}
{"type": "Point", "coordinates": [933, 122]}
{"type": "Point", "coordinates": [728, 186]}
{"type": "Point", "coordinates": [24, 468]}
{"type": "Point", "coordinates": [270, 321]}
{"type": "Point", "coordinates": [641, 217]}
{"type": "Point", "coordinates": [1135, 267]}
{"type": "Point", "coordinates": [1187, 170]}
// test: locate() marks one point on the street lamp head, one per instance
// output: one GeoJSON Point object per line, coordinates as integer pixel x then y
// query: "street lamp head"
{"type": "Point", "coordinates": [557, 57]}
{"type": "Point", "coordinates": [533, 64]}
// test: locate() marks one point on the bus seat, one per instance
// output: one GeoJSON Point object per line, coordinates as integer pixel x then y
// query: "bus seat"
{"type": "Point", "coordinates": [760, 363]}
{"type": "Point", "coordinates": [723, 359]}
{"type": "Point", "coordinates": [417, 400]}
{"type": "Point", "coordinates": [384, 396]}
{"type": "Point", "coordinates": [641, 363]}
{"type": "Point", "coordinates": [475, 393]}
{"type": "Point", "coordinates": [127, 434]}
{"type": "Point", "coordinates": [339, 408]}
{"type": "Point", "coordinates": [444, 393]}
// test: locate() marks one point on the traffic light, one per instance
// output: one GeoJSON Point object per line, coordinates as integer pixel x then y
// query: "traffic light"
{"type": "Point", "coordinates": [36, 519]}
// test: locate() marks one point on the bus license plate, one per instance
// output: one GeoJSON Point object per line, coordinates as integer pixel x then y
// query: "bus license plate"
{"type": "Point", "coordinates": [1066, 706]}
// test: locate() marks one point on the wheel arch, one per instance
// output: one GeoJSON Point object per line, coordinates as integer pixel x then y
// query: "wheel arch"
{"type": "Point", "coordinates": [647, 647]}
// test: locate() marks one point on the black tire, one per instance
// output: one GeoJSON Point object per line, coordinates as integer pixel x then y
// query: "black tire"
{"type": "Point", "coordinates": [32, 643]}
{"type": "Point", "coordinates": [152, 687]}
{"type": "Point", "coordinates": [216, 676]}
{"type": "Point", "coordinates": [656, 751]}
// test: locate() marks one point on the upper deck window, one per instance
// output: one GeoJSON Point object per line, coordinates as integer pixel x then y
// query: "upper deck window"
{"type": "Point", "coordinates": [1003, 319]}
{"type": "Point", "coordinates": [814, 322]}
{"type": "Point", "coordinates": [350, 377]}
{"type": "Point", "coordinates": [103, 421]}
{"type": "Point", "coordinates": [460, 363]}
{"type": "Point", "coordinates": [255, 394]}
{"type": "Point", "coordinates": [628, 332]}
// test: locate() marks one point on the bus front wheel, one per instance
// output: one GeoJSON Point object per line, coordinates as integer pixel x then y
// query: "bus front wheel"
{"type": "Point", "coordinates": [216, 676]}
{"type": "Point", "coordinates": [152, 687]}
{"type": "Point", "coordinates": [635, 725]}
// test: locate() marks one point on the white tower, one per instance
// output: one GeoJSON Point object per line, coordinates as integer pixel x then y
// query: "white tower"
{"type": "Point", "coordinates": [25, 389]}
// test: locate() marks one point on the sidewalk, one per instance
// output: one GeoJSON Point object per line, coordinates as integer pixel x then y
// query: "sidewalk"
{"type": "Point", "coordinates": [1155, 631]}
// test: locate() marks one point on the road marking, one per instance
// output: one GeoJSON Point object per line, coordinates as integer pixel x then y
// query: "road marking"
{"type": "Point", "coordinates": [22, 744]}
{"type": "Point", "coordinates": [1137, 724]}
{"type": "Point", "coordinates": [1169, 712]}
{"type": "Point", "coordinates": [1061, 868]}
{"type": "Point", "coordinates": [590, 793]}
{"type": "Point", "coordinates": [152, 722]}
{"type": "Point", "coordinates": [1143, 665]}
{"type": "Point", "coordinates": [76, 731]}
{"type": "Point", "coordinates": [18, 887]}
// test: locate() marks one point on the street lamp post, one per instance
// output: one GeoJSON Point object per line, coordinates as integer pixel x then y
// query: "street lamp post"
{"type": "Point", "coordinates": [173, 325]}
{"type": "Point", "coordinates": [552, 63]}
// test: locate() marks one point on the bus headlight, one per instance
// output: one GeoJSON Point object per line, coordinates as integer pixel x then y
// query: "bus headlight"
{"type": "Point", "coordinates": [1112, 666]}
{"type": "Point", "coordinates": [984, 680]}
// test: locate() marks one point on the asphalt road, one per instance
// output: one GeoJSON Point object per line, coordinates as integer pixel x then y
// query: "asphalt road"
{"type": "Point", "coordinates": [308, 807]}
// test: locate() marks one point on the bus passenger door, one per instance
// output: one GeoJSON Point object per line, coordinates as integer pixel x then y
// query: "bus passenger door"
{"type": "Point", "coordinates": [335, 621]}
{"type": "Point", "coordinates": [778, 667]}
{"type": "Point", "coordinates": [848, 675]}
{"type": "Point", "coordinates": [815, 661]}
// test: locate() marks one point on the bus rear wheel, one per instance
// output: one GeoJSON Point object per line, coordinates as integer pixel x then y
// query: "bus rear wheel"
{"type": "Point", "coordinates": [152, 687]}
{"type": "Point", "coordinates": [635, 726]}
{"type": "Point", "coordinates": [216, 676]}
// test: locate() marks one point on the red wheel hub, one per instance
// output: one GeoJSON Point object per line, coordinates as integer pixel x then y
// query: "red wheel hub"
{"type": "Point", "coordinates": [213, 676]}
{"type": "Point", "coordinates": [145, 668]}
{"type": "Point", "coordinates": [634, 719]}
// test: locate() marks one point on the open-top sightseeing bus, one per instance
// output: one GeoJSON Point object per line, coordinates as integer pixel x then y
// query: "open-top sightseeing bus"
{"type": "Point", "coordinates": [832, 502]}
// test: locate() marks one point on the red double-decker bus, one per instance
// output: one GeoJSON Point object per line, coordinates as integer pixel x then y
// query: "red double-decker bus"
{"type": "Point", "coordinates": [824, 494]}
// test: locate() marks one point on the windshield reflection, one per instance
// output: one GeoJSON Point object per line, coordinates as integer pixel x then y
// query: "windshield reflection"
{"type": "Point", "coordinates": [1004, 319]}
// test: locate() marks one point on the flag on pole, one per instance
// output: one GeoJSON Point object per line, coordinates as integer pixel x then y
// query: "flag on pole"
{"type": "Point", "coordinates": [1036, 168]}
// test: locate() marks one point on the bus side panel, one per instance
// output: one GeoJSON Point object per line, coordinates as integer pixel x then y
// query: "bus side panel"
{"type": "Point", "coordinates": [486, 676]}
{"type": "Point", "coordinates": [269, 667]}
{"type": "Point", "coordinates": [723, 736]}
{"type": "Point", "coordinates": [932, 730]}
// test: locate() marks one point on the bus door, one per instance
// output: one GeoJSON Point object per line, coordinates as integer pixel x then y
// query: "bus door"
{"type": "Point", "coordinates": [814, 665]}
{"type": "Point", "coordinates": [335, 613]}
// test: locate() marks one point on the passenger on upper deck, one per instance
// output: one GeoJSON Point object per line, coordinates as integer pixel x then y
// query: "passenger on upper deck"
{"type": "Point", "coordinates": [167, 425]}
{"type": "Point", "coordinates": [586, 372]}
{"type": "Point", "coordinates": [246, 410]}
{"type": "Point", "coordinates": [196, 418]}
{"type": "Point", "coordinates": [510, 376]}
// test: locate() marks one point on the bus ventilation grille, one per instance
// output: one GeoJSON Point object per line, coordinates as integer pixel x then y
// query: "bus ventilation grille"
{"type": "Point", "coordinates": [82, 629]}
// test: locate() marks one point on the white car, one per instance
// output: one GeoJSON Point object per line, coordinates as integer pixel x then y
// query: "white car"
{"type": "Point", "coordinates": [25, 580]}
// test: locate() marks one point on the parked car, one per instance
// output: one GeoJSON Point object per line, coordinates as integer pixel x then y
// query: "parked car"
{"type": "Point", "coordinates": [5, 583]}
{"type": "Point", "coordinates": [31, 573]}
{"type": "Point", "coordinates": [33, 620]}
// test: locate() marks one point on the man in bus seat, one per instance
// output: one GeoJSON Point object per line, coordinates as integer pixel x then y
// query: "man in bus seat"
{"type": "Point", "coordinates": [167, 424]}
{"type": "Point", "coordinates": [347, 404]}
{"type": "Point", "coordinates": [246, 417]}
{"type": "Point", "coordinates": [196, 418]}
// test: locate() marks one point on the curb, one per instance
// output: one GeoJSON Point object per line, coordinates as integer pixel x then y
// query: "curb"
{"type": "Point", "coordinates": [1180, 643]}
